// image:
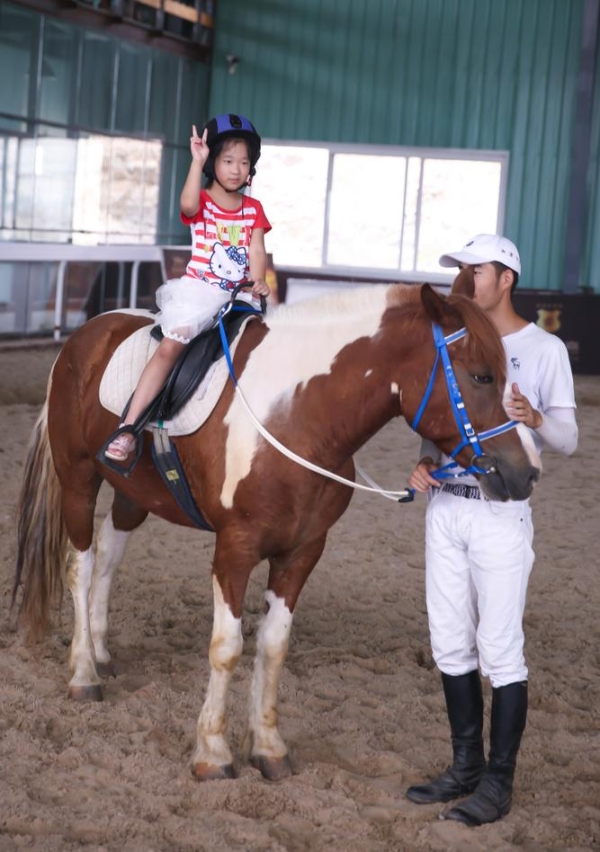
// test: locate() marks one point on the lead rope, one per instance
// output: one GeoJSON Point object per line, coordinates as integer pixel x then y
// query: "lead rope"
{"type": "Point", "coordinates": [404, 496]}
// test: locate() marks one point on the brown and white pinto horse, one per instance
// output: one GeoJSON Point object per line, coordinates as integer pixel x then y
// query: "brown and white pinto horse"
{"type": "Point", "coordinates": [323, 377]}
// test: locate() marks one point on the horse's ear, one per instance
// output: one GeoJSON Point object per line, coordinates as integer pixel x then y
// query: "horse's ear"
{"type": "Point", "coordinates": [464, 283]}
{"type": "Point", "coordinates": [435, 305]}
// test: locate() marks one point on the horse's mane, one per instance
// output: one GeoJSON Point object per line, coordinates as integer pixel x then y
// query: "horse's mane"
{"type": "Point", "coordinates": [483, 339]}
{"type": "Point", "coordinates": [483, 342]}
{"type": "Point", "coordinates": [358, 302]}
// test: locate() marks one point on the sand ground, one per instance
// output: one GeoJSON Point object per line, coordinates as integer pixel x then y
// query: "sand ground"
{"type": "Point", "coordinates": [361, 704]}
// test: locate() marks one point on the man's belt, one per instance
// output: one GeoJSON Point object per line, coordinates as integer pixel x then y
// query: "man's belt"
{"type": "Point", "coordinates": [471, 492]}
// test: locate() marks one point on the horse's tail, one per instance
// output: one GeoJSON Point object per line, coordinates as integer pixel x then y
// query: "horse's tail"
{"type": "Point", "coordinates": [42, 539]}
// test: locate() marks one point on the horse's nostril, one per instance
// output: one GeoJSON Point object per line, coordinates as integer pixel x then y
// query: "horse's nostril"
{"type": "Point", "coordinates": [486, 463]}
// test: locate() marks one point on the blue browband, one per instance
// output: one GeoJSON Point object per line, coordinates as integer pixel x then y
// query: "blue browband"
{"type": "Point", "coordinates": [467, 433]}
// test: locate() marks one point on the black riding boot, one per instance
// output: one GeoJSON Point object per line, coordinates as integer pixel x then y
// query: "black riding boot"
{"type": "Point", "coordinates": [464, 703]}
{"type": "Point", "coordinates": [493, 796]}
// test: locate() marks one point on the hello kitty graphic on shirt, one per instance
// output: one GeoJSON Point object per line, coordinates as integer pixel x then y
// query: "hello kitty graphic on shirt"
{"type": "Point", "coordinates": [229, 265]}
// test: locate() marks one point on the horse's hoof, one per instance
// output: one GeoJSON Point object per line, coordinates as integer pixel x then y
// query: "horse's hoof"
{"type": "Point", "coordinates": [212, 772]}
{"type": "Point", "coordinates": [86, 693]}
{"type": "Point", "coordinates": [272, 768]}
{"type": "Point", "coordinates": [106, 670]}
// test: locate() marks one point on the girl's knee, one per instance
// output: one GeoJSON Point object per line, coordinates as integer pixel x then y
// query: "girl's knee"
{"type": "Point", "coordinates": [169, 350]}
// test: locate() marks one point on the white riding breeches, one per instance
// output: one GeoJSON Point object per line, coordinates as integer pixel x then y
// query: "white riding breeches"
{"type": "Point", "coordinates": [479, 558]}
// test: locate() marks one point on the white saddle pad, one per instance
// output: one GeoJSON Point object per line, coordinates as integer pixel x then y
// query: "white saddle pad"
{"type": "Point", "coordinates": [125, 368]}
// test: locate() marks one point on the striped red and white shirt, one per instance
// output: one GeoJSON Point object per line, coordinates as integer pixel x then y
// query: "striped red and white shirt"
{"type": "Point", "coordinates": [221, 240]}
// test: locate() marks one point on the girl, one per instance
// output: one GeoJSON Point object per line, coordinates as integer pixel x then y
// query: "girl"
{"type": "Point", "coordinates": [227, 249]}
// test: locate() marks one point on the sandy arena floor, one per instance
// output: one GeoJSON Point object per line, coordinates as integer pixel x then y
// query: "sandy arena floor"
{"type": "Point", "coordinates": [361, 704]}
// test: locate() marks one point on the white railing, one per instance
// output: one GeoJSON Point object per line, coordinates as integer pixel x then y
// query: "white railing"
{"type": "Point", "coordinates": [63, 254]}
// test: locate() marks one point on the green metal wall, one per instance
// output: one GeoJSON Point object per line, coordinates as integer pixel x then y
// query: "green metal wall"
{"type": "Point", "coordinates": [491, 74]}
{"type": "Point", "coordinates": [591, 272]}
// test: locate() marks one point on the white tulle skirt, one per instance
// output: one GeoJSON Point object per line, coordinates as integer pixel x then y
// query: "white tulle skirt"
{"type": "Point", "coordinates": [188, 306]}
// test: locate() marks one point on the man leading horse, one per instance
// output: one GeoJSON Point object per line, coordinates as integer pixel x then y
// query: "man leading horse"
{"type": "Point", "coordinates": [479, 554]}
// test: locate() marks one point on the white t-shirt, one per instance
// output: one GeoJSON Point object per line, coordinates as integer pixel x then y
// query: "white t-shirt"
{"type": "Point", "coordinates": [539, 363]}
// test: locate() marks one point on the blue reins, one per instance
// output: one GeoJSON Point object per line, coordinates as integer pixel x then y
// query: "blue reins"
{"type": "Point", "coordinates": [480, 463]}
{"type": "Point", "coordinates": [240, 308]}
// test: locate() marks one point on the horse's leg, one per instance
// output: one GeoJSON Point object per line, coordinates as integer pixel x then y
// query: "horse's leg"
{"type": "Point", "coordinates": [112, 538]}
{"type": "Point", "coordinates": [212, 758]}
{"type": "Point", "coordinates": [287, 576]}
{"type": "Point", "coordinates": [79, 495]}
{"type": "Point", "coordinates": [84, 684]}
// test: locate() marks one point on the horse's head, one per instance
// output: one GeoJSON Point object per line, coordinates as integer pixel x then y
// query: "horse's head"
{"type": "Point", "coordinates": [479, 381]}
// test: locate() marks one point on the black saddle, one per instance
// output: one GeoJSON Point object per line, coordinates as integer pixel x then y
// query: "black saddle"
{"type": "Point", "coordinates": [193, 364]}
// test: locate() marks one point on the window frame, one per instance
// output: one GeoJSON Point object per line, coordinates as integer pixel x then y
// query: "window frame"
{"type": "Point", "coordinates": [501, 157]}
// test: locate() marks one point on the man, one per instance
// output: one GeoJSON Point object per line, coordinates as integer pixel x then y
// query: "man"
{"type": "Point", "coordinates": [479, 555]}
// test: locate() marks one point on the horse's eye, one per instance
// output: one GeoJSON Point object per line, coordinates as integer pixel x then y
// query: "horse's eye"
{"type": "Point", "coordinates": [483, 379]}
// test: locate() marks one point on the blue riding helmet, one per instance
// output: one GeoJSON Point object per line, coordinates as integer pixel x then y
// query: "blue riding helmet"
{"type": "Point", "coordinates": [230, 126]}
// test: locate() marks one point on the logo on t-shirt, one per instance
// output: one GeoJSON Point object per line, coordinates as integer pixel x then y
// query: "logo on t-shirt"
{"type": "Point", "coordinates": [516, 363]}
{"type": "Point", "coordinates": [228, 264]}
{"type": "Point", "coordinates": [229, 233]}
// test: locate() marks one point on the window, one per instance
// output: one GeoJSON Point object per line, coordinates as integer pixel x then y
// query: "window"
{"type": "Point", "coordinates": [382, 212]}
{"type": "Point", "coordinates": [90, 189]}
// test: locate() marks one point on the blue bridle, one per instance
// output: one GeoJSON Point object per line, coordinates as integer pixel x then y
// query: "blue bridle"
{"type": "Point", "coordinates": [480, 462]}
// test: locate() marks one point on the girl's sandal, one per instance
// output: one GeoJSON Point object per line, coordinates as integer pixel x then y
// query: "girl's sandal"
{"type": "Point", "coordinates": [121, 447]}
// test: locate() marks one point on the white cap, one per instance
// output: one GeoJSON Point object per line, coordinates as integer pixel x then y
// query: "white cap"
{"type": "Point", "coordinates": [485, 248]}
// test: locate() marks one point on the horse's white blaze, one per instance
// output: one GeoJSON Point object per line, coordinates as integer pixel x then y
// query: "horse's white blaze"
{"type": "Point", "coordinates": [368, 373]}
{"type": "Point", "coordinates": [109, 555]}
{"type": "Point", "coordinates": [225, 650]}
{"type": "Point", "coordinates": [79, 578]}
{"type": "Point", "coordinates": [284, 363]}
{"type": "Point", "coordinates": [271, 650]}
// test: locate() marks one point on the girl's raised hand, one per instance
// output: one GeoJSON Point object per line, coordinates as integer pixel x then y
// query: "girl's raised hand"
{"type": "Point", "coordinates": [198, 147]}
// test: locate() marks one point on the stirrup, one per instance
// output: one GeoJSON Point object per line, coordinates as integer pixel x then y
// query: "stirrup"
{"type": "Point", "coordinates": [118, 464]}
{"type": "Point", "coordinates": [122, 447]}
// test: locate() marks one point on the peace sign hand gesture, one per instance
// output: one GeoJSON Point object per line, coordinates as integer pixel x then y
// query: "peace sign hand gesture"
{"type": "Point", "coordinates": [198, 147]}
